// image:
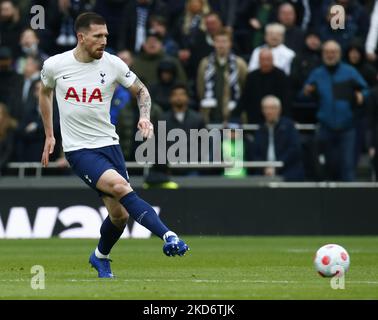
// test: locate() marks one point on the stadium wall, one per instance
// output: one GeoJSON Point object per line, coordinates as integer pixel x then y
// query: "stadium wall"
{"type": "Point", "coordinates": [78, 212]}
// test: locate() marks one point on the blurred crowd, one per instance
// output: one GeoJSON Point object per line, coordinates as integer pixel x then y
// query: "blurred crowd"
{"type": "Point", "coordinates": [273, 63]}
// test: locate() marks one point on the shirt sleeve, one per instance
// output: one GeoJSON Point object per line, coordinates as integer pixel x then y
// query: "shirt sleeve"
{"type": "Point", "coordinates": [47, 74]}
{"type": "Point", "coordinates": [125, 76]}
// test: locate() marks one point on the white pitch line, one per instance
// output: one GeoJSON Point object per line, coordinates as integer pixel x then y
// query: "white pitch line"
{"type": "Point", "coordinates": [194, 280]}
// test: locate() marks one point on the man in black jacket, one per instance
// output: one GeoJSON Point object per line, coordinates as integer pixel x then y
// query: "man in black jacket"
{"type": "Point", "coordinates": [182, 117]}
{"type": "Point", "coordinates": [278, 140]}
{"type": "Point", "coordinates": [267, 80]}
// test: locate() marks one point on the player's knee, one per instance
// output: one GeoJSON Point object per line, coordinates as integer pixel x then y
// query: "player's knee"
{"type": "Point", "coordinates": [120, 221]}
{"type": "Point", "coordinates": [120, 215]}
{"type": "Point", "coordinates": [120, 189]}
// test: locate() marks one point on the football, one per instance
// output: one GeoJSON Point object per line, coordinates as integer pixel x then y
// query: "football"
{"type": "Point", "coordinates": [331, 260]}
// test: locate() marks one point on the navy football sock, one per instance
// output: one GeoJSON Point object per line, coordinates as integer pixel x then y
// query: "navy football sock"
{"type": "Point", "coordinates": [109, 236]}
{"type": "Point", "coordinates": [144, 214]}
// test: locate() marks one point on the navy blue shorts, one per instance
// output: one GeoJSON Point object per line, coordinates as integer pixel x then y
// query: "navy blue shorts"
{"type": "Point", "coordinates": [90, 164]}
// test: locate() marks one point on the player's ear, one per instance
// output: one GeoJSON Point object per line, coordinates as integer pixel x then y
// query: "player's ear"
{"type": "Point", "coordinates": [80, 37]}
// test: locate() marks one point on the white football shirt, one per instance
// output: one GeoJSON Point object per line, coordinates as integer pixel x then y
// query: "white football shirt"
{"type": "Point", "coordinates": [84, 92]}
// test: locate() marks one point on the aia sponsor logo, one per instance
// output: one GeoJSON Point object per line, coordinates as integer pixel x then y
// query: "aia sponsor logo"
{"type": "Point", "coordinates": [83, 96]}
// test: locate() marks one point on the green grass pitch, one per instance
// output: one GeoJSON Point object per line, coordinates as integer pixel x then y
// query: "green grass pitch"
{"type": "Point", "coordinates": [215, 268]}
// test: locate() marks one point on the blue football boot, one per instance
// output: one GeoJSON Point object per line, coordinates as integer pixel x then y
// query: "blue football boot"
{"type": "Point", "coordinates": [102, 266]}
{"type": "Point", "coordinates": [174, 246]}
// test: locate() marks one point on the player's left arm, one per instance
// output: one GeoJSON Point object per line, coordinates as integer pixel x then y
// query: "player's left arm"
{"type": "Point", "coordinates": [140, 92]}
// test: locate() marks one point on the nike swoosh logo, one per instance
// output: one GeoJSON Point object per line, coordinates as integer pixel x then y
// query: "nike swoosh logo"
{"type": "Point", "coordinates": [66, 77]}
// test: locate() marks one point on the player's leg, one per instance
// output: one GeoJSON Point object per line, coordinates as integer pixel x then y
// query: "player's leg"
{"type": "Point", "coordinates": [111, 182]}
{"type": "Point", "coordinates": [112, 227]}
{"type": "Point", "coordinates": [111, 230]}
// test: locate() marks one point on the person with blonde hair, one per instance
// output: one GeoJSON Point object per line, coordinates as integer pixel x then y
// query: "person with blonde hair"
{"type": "Point", "coordinates": [195, 10]}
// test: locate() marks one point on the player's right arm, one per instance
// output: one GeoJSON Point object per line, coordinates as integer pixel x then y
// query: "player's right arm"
{"type": "Point", "coordinates": [129, 80]}
{"type": "Point", "coordinates": [45, 104]}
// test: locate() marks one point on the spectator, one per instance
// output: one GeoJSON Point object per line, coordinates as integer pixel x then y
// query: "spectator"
{"type": "Point", "coordinates": [200, 45]}
{"type": "Point", "coordinates": [158, 24]}
{"type": "Point", "coordinates": [372, 37]}
{"type": "Point", "coordinates": [251, 19]}
{"type": "Point", "coordinates": [355, 56]}
{"type": "Point", "coordinates": [294, 35]}
{"type": "Point", "coordinates": [11, 26]}
{"type": "Point", "coordinates": [278, 140]}
{"type": "Point", "coordinates": [31, 136]}
{"type": "Point", "coordinates": [226, 9]}
{"type": "Point", "coordinates": [62, 15]}
{"type": "Point", "coordinates": [121, 96]}
{"type": "Point", "coordinates": [220, 81]}
{"type": "Point", "coordinates": [59, 33]}
{"type": "Point", "coordinates": [340, 89]}
{"type": "Point", "coordinates": [306, 61]}
{"type": "Point", "coordinates": [182, 117]}
{"type": "Point", "coordinates": [267, 80]}
{"type": "Point", "coordinates": [126, 56]}
{"type": "Point", "coordinates": [167, 78]}
{"type": "Point", "coordinates": [147, 62]}
{"type": "Point", "coordinates": [29, 44]}
{"type": "Point", "coordinates": [192, 20]}
{"type": "Point", "coordinates": [282, 55]}
{"type": "Point", "coordinates": [134, 29]}
{"type": "Point", "coordinates": [302, 11]}
{"type": "Point", "coordinates": [11, 84]}
{"type": "Point", "coordinates": [66, 35]}
{"type": "Point", "coordinates": [31, 75]}
{"type": "Point", "coordinates": [8, 126]}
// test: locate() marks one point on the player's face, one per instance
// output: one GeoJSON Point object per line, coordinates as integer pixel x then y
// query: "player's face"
{"type": "Point", "coordinates": [94, 40]}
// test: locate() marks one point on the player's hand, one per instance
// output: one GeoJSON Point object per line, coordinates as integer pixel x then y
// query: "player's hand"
{"type": "Point", "coordinates": [146, 128]}
{"type": "Point", "coordinates": [47, 150]}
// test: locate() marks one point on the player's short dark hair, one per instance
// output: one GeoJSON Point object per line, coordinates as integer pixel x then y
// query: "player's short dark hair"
{"type": "Point", "coordinates": [180, 85]}
{"type": "Point", "coordinates": [84, 20]}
